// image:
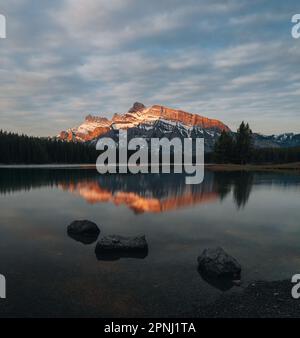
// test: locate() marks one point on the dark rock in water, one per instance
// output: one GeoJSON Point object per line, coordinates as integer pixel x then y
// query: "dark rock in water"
{"type": "Point", "coordinates": [83, 227]}
{"type": "Point", "coordinates": [85, 239]}
{"type": "Point", "coordinates": [121, 243]}
{"type": "Point", "coordinates": [222, 283]}
{"type": "Point", "coordinates": [116, 247]}
{"type": "Point", "coordinates": [216, 262]}
{"type": "Point", "coordinates": [83, 231]}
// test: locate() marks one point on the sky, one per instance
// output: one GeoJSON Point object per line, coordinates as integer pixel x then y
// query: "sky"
{"type": "Point", "coordinates": [230, 60]}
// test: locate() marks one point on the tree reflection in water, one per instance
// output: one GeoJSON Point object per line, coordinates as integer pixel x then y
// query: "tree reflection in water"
{"type": "Point", "coordinates": [141, 193]}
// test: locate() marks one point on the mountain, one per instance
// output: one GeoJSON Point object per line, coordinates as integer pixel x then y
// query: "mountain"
{"type": "Point", "coordinates": [160, 121]}
{"type": "Point", "coordinates": [286, 140]}
{"type": "Point", "coordinates": [154, 121]}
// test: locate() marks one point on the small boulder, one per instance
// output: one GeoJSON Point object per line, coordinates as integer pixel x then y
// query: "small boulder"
{"type": "Point", "coordinates": [84, 239]}
{"type": "Point", "coordinates": [222, 283]}
{"type": "Point", "coordinates": [114, 244]}
{"type": "Point", "coordinates": [83, 228]}
{"type": "Point", "coordinates": [216, 262]}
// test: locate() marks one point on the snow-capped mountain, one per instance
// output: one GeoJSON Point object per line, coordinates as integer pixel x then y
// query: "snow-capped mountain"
{"type": "Point", "coordinates": [277, 141]}
{"type": "Point", "coordinates": [163, 128]}
{"type": "Point", "coordinates": [159, 121]}
{"type": "Point", "coordinates": [154, 121]}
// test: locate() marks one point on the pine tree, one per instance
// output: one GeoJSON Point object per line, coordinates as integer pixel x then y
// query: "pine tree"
{"type": "Point", "coordinates": [243, 144]}
{"type": "Point", "coordinates": [223, 148]}
{"type": "Point", "coordinates": [22, 149]}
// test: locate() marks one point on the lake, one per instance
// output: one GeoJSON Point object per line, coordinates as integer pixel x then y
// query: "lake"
{"type": "Point", "coordinates": [254, 216]}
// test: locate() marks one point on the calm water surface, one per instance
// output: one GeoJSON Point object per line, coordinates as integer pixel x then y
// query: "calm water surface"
{"type": "Point", "coordinates": [253, 216]}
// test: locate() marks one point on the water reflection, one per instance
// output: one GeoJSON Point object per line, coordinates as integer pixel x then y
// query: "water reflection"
{"type": "Point", "coordinates": [115, 256]}
{"type": "Point", "coordinates": [144, 193]}
{"type": "Point", "coordinates": [220, 283]}
{"type": "Point", "coordinates": [155, 193]}
{"type": "Point", "coordinates": [84, 239]}
{"type": "Point", "coordinates": [255, 216]}
{"type": "Point", "coordinates": [240, 183]}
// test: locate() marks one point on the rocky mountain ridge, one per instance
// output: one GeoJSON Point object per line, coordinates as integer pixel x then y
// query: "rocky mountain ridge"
{"type": "Point", "coordinates": [160, 121]}
{"type": "Point", "coordinates": [139, 116]}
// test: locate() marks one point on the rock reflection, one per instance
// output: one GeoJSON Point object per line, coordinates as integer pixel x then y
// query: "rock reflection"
{"type": "Point", "coordinates": [84, 239]}
{"type": "Point", "coordinates": [115, 256]}
{"type": "Point", "coordinates": [220, 283]}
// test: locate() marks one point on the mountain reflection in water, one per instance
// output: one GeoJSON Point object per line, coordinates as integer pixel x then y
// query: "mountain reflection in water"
{"type": "Point", "coordinates": [145, 194]}
{"type": "Point", "coordinates": [252, 216]}
{"type": "Point", "coordinates": [153, 193]}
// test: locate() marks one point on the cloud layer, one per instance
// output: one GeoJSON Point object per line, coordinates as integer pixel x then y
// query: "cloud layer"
{"type": "Point", "coordinates": [230, 60]}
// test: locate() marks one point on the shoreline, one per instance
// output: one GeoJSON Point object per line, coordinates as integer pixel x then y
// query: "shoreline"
{"type": "Point", "coordinates": [260, 299]}
{"type": "Point", "coordinates": [295, 166]}
{"type": "Point", "coordinates": [47, 166]}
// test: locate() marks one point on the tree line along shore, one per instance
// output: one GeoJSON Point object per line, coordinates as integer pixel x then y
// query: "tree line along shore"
{"type": "Point", "coordinates": [232, 151]}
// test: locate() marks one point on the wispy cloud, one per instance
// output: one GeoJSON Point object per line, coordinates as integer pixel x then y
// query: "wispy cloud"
{"type": "Point", "coordinates": [230, 60]}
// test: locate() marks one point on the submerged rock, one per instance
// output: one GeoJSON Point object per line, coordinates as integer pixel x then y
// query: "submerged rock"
{"type": "Point", "coordinates": [216, 262]}
{"type": "Point", "coordinates": [115, 247]}
{"type": "Point", "coordinates": [84, 231]}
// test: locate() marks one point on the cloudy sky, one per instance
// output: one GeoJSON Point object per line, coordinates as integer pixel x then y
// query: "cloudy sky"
{"type": "Point", "coordinates": [231, 60]}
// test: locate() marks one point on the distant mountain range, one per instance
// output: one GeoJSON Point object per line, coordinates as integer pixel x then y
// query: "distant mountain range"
{"type": "Point", "coordinates": [277, 141]}
{"type": "Point", "coordinates": [160, 121]}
